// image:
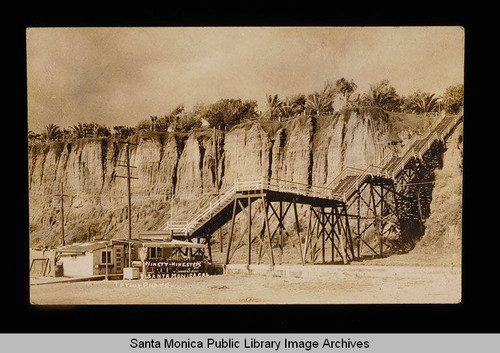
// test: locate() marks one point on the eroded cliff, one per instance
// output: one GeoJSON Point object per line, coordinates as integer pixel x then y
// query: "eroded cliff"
{"type": "Point", "coordinates": [194, 166]}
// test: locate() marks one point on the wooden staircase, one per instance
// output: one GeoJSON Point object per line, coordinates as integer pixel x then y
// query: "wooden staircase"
{"type": "Point", "coordinates": [347, 182]}
{"type": "Point", "coordinates": [344, 186]}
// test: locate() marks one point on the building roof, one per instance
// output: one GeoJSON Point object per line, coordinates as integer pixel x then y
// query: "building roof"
{"type": "Point", "coordinates": [100, 244]}
{"type": "Point", "coordinates": [84, 247]}
{"type": "Point", "coordinates": [155, 235]}
{"type": "Point", "coordinates": [161, 243]}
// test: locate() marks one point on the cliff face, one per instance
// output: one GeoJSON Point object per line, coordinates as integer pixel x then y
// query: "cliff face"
{"type": "Point", "coordinates": [444, 225]}
{"type": "Point", "coordinates": [310, 150]}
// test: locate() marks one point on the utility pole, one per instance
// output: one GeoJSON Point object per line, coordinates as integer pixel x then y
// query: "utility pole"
{"type": "Point", "coordinates": [171, 212]}
{"type": "Point", "coordinates": [62, 212]}
{"type": "Point", "coordinates": [171, 205]}
{"type": "Point", "coordinates": [216, 151]}
{"type": "Point", "coordinates": [128, 177]}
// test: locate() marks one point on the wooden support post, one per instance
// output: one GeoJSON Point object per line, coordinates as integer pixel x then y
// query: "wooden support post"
{"type": "Point", "coordinates": [209, 249]}
{"type": "Point", "coordinates": [241, 238]}
{"type": "Point", "coordinates": [332, 235]}
{"type": "Point", "coordinates": [107, 260]}
{"type": "Point", "coordinates": [358, 206]}
{"type": "Point", "coordinates": [377, 221]}
{"type": "Point", "coordinates": [341, 236]}
{"type": "Point", "coordinates": [129, 254]}
{"type": "Point", "coordinates": [280, 225]}
{"type": "Point", "coordinates": [308, 235]}
{"type": "Point", "coordinates": [336, 233]}
{"type": "Point", "coordinates": [382, 214]}
{"type": "Point", "coordinates": [315, 232]}
{"type": "Point", "coordinates": [249, 213]}
{"type": "Point", "coordinates": [323, 234]}
{"type": "Point", "coordinates": [348, 232]}
{"type": "Point", "coordinates": [221, 240]}
{"type": "Point", "coordinates": [266, 220]}
{"type": "Point", "coordinates": [298, 229]}
{"type": "Point", "coordinates": [232, 230]}
{"type": "Point", "coordinates": [261, 237]}
{"type": "Point", "coordinates": [280, 228]}
{"type": "Point", "coordinates": [421, 222]}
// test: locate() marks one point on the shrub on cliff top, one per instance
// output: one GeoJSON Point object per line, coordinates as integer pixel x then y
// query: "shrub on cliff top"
{"type": "Point", "coordinates": [409, 121]}
{"type": "Point", "coordinates": [226, 113]}
{"type": "Point", "coordinates": [89, 130]}
{"type": "Point", "coordinates": [123, 132]}
{"type": "Point", "coordinates": [453, 99]}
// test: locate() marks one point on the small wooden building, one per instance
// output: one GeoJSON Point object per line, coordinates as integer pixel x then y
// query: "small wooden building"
{"type": "Point", "coordinates": [110, 257]}
{"type": "Point", "coordinates": [92, 258]}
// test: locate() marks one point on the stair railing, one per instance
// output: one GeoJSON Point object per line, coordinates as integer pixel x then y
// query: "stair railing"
{"type": "Point", "coordinates": [304, 189]}
{"type": "Point", "coordinates": [209, 210]}
{"type": "Point", "coordinates": [185, 226]}
{"type": "Point", "coordinates": [386, 159]}
{"type": "Point", "coordinates": [371, 170]}
{"type": "Point", "coordinates": [453, 123]}
{"type": "Point", "coordinates": [245, 184]}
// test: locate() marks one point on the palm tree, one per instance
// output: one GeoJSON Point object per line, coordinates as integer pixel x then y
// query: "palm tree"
{"type": "Point", "coordinates": [90, 129]}
{"type": "Point", "coordinates": [298, 102]}
{"type": "Point", "coordinates": [52, 132]}
{"type": "Point", "coordinates": [78, 130]}
{"type": "Point", "coordinates": [381, 99]}
{"type": "Point", "coordinates": [273, 106]}
{"type": "Point", "coordinates": [33, 135]}
{"type": "Point", "coordinates": [154, 120]}
{"type": "Point", "coordinates": [319, 104]}
{"type": "Point", "coordinates": [287, 109]}
{"type": "Point", "coordinates": [102, 131]}
{"type": "Point", "coordinates": [346, 88]}
{"type": "Point", "coordinates": [381, 95]}
{"type": "Point", "coordinates": [425, 103]}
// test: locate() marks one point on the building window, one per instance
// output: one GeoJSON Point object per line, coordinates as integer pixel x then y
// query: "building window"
{"type": "Point", "coordinates": [155, 253]}
{"type": "Point", "coordinates": [152, 253]}
{"type": "Point", "coordinates": [105, 257]}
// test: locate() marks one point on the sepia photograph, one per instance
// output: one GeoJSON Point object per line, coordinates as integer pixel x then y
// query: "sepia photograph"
{"type": "Point", "coordinates": [245, 165]}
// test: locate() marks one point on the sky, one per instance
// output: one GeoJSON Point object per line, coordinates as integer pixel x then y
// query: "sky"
{"type": "Point", "coordinates": [120, 76]}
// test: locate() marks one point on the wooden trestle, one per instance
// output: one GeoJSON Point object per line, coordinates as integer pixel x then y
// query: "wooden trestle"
{"type": "Point", "coordinates": [274, 206]}
{"type": "Point", "coordinates": [370, 212]}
